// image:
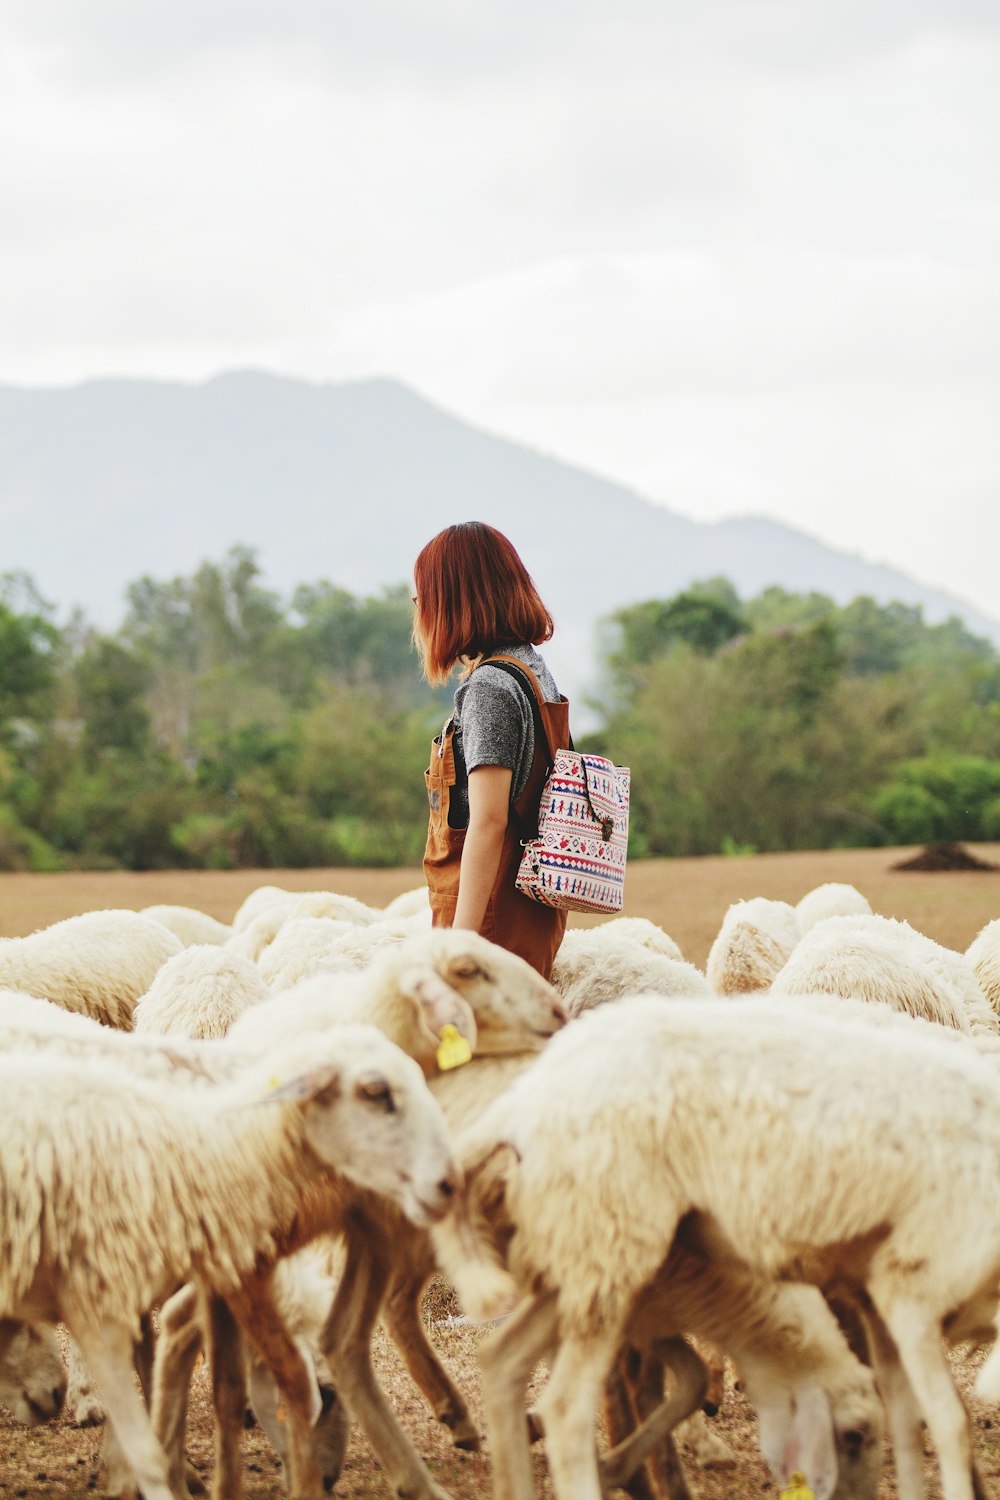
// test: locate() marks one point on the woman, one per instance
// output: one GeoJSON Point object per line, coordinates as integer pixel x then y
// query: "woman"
{"type": "Point", "coordinates": [475, 602]}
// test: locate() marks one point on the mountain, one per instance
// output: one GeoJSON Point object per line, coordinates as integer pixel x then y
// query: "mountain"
{"type": "Point", "coordinates": [112, 479]}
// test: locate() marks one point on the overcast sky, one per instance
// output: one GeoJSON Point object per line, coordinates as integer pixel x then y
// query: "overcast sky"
{"type": "Point", "coordinates": [742, 254]}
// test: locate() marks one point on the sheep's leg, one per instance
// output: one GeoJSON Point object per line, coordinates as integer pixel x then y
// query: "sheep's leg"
{"type": "Point", "coordinates": [229, 1399]}
{"type": "Point", "coordinates": [568, 1408]}
{"type": "Point", "coordinates": [663, 1465]}
{"type": "Point", "coordinates": [346, 1342]}
{"type": "Point", "coordinates": [507, 1359]}
{"type": "Point", "coordinates": [690, 1382]}
{"type": "Point", "coordinates": [405, 1326]}
{"type": "Point", "coordinates": [902, 1412]}
{"type": "Point", "coordinates": [109, 1354]}
{"type": "Point", "coordinates": [176, 1353]}
{"type": "Point", "coordinates": [922, 1356]}
{"type": "Point", "coordinates": [254, 1309]}
{"type": "Point", "coordinates": [120, 1479]}
{"type": "Point", "coordinates": [620, 1418]}
{"type": "Point", "coordinates": [82, 1405]}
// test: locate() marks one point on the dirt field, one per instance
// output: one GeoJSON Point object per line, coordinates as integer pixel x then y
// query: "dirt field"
{"type": "Point", "coordinates": [688, 897]}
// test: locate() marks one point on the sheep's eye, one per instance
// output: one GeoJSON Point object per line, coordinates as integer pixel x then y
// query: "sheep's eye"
{"type": "Point", "coordinates": [466, 968]}
{"type": "Point", "coordinates": [854, 1441]}
{"type": "Point", "coordinates": [377, 1091]}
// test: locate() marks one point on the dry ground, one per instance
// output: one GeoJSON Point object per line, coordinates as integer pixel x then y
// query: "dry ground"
{"type": "Point", "coordinates": [689, 898]}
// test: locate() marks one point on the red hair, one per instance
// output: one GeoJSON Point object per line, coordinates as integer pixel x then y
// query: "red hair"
{"type": "Point", "coordinates": [473, 595]}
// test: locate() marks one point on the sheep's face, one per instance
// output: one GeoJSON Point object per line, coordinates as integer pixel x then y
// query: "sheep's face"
{"type": "Point", "coordinates": [32, 1378]}
{"type": "Point", "coordinates": [514, 1007]}
{"type": "Point", "coordinates": [368, 1113]}
{"type": "Point", "coordinates": [837, 1446]}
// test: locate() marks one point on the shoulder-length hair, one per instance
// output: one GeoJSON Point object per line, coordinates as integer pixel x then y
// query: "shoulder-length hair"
{"type": "Point", "coordinates": [473, 595]}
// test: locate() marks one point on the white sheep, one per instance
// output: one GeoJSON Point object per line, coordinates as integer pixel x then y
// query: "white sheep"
{"type": "Point", "coordinates": [831, 900]}
{"type": "Point", "coordinates": [310, 945]}
{"type": "Point", "coordinates": [886, 961]}
{"type": "Point", "coordinates": [32, 1378]}
{"type": "Point", "coordinates": [983, 953]}
{"type": "Point", "coordinates": [817, 1406]}
{"type": "Point", "coordinates": [189, 924]}
{"type": "Point", "coordinates": [29, 1024]}
{"type": "Point", "coordinates": [598, 967]}
{"type": "Point", "coordinates": [199, 992]}
{"type": "Point", "coordinates": [753, 944]}
{"type": "Point", "coordinates": [214, 1182]}
{"type": "Point", "coordinates": [97, 964]}
{"type": "Point", "coordinates": [270, 900]}
{"type": "Point", "coordinates": [515, 1011]}
{"type": "Point", "coordinates": [413, 903]}
{"type": "Point", "coordinates": [412, 1011]}
{"type": "Point", "coordinates": [503, 992]}
{"type": "Point", "coordinates": [254, 939]}
{"type": "Point", "coordinates": [862, 1152]}
{"type": "Point", "coordinates": [640, 929]}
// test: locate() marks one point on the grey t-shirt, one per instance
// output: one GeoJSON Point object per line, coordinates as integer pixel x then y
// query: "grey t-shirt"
{"type": "Point", "coordinates": [494, 726]}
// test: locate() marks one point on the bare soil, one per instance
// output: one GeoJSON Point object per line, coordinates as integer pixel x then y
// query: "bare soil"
{"type": "Point", "coordinates": [689, 898]}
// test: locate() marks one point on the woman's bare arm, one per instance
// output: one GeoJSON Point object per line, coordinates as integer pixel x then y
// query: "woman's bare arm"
{"type": "Point", "coordinates": [489, 807]}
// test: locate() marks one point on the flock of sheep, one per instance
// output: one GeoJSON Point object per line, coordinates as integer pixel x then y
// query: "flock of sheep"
{"type": "Point", "coordinates": [274, 1133]}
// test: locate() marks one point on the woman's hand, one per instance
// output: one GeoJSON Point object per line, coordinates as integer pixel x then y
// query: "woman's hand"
{"type": "Point", "coordinates": [489, 809]}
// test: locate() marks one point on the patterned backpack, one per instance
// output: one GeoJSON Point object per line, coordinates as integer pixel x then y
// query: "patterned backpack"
{"type": "Point", "coordinates": [576, 860]}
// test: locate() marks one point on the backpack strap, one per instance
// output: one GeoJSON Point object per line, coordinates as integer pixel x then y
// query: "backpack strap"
{"type": "Point", "coordinates": [523, 674]}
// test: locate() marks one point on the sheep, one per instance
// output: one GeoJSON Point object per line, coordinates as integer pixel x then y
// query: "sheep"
{"type": "Point", "coordinates": [214, 1186]}
{"type": "Point", "coordinates": [303, 1292]}
{"type": "Point", "coordinates": [983, 954]}
{"type": "Point", "coordinates": [866, 1154]}
{"type": "Point", "coordinates": [753, 944]}
{"type": "Point", "coordinates": [815, 1402]}
{"type": "Point", "coordinates": [881, 959]}
{"type": "Point", "coordinates": [199, 993]}
{"type": "Point", "coordinates": [504, 993]}
{"type": "Point", "coordinates": [32, 1378]}
{"type": "Point", "coordinates": [598, 967]}
{"type": "Point", "coordinates": [639, 929]}
{"type": "Point", "coordinates": [414, 903]}
{"type": "Point", "coordinates": [514, 1010]}
{"type": "Point", "coordinates": [254, 939]}
{"type": "Point", "coordinates": [830, 900]}
{"type": "Point", "coordinates": [414, 1009]}
{"type": "Point", "coordinates": [97, 964]}
{"type": "Point", "coordinates": [271, 899]}
{"type": "Point", "coordinates": [310, 945]}
{"type": "Point", "coordinates": [189, 924]}
{"type": "Point", "coordinates": [30, 1024]}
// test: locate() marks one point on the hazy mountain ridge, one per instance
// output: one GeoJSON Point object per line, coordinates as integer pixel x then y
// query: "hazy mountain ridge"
{"type": "Point", "coordinates": [108, 480]}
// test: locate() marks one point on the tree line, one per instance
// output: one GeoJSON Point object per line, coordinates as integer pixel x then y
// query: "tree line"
{"type": "Point", "coordinates": [223, 726]}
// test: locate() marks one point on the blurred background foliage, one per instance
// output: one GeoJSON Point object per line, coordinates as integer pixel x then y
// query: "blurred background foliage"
{"type": "Point", "coordinates": [223, 726]}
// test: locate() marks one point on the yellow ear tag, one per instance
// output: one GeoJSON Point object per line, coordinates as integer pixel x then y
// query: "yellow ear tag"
{"type": "Point", "coordinates": [281, 1414]}
{"type": "Point", "coordinates": [454, 1049]}
{"type": "Point", "coordinates": [797, 1489]}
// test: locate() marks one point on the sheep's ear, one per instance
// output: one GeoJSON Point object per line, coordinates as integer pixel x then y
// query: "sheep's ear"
{"type": "Point", "coordinates": [810, 1446]}
{"type": "Point", "coordinates": [325, 1079]}
{"type": "Point", "coordinates": [440, 1005]}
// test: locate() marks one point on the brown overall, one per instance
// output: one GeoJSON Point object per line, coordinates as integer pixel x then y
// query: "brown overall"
{"type": "Point", "coordinates": [513, 921]}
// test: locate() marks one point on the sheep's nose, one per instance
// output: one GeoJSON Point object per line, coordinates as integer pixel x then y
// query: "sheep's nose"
{"type": "Point", "coordinates": [560, 1013]}
{"type": "Point", "coordinates": [449, 1186]}
{"type": "Point", "coordinates": [58, 1397]}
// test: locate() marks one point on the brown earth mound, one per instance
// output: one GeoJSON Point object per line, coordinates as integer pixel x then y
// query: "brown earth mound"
{"type": "Point", "coordinates": [944, 857]}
